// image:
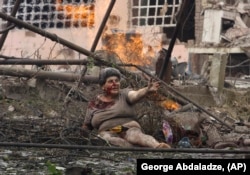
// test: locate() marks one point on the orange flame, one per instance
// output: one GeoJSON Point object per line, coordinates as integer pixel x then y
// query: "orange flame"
{"type": "Point", "coordinates": [169, 104]}
{"type": "Point", "coordinates": [83, 14]}
{"type": "Point", "coordinates": [128, 46]}
{"type": "Point", "coordinates": [163, 101]}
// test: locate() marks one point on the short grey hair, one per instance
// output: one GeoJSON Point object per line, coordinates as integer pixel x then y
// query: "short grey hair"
{"type": "Point", "coordinates": [106, 73]}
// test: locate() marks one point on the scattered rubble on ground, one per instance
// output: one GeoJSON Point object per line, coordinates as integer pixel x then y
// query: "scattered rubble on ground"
{"type": "Point", "coordinates": [47, 114]}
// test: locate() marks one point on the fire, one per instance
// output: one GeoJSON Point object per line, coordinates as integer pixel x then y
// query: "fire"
{"type": "Point", "coordinates": [82, 15]}
{"type": "Point", "coordinates": [169, 105]}
{"type": "Point", "coordinates": [163, 101]}
{"type": "Point", "coordinates": [128, 46]}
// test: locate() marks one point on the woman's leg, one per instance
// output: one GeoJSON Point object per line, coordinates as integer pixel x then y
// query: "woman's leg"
{"type": "Point", "coordinates": [136, 137]}
{"type": "Point", "coordinates": [114, 139]}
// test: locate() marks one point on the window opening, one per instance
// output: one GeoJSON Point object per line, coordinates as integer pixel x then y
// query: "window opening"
{"type": "Point", "coordinates": [155, 12]}
{"type": "Point", "coordinates": [54, 13]}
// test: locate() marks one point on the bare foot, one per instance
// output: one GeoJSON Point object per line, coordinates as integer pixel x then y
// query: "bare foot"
{"type": "Point", "coordinates": [163, 145]}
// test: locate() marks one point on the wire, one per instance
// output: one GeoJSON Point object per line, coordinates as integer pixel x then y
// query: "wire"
{"type": "Point", "coordinates": [238, 65]}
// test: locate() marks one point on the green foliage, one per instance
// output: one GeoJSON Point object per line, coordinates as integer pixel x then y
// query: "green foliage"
{"type": "Point", "coordinates": [91, 62]}
{"type": "Point", "coordinates": [52, 169]}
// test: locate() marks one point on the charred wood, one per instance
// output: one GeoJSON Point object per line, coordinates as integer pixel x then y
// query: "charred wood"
{"type": "Point", "coordinates": [182, 109]}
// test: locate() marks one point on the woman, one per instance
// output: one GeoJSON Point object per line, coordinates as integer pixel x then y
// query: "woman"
{"type": "Point", "coordinates": [113, 115]}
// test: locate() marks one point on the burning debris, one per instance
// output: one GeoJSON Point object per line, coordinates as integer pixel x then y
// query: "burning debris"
{"type": "Point", "coordinates": [165, 102]}
{"type": "Point", "coordinates": [170, 105]}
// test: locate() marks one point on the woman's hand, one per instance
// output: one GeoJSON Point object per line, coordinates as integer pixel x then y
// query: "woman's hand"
{"type": "Point", "coordinates": [153, 86]}
{"type": "Point", "coordinates": [135, 96]}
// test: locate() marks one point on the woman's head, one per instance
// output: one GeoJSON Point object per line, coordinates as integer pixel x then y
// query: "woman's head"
{"type": "Point", "coordinates": [106, 73]}
{"type": "Point", "coordinates": [109, 80]}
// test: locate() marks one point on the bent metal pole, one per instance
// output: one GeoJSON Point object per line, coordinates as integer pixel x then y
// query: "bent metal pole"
{"type": "Point", "coordinates": [9, 25]}
{"type": "Point", "coordinates": [103, 24]}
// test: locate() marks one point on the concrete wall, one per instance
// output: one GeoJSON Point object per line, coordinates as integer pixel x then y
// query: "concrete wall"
{"type": "Point", "coordinates": [199, 18]}
{"type": "Point", "coordinates": [26, 44]}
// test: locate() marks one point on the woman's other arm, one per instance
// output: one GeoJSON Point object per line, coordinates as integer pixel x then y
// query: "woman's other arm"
{"type": "Point", "coordinates": [136, 95]}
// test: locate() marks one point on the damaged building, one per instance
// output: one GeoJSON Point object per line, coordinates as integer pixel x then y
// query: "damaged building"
{"type": "Point", "coordinates": [223, 32]}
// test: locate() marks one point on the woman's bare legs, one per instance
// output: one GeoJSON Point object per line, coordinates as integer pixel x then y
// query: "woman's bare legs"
{"type": "Point", "coordinates": [114, 139]}
{"type": "Point", "coordinates": [132, 137]}
{"type": "Point", "coordinates": [136, 137]}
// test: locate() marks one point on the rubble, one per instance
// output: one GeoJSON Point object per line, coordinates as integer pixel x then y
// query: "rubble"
{"type": "Point", "coordinates": [28, 117]}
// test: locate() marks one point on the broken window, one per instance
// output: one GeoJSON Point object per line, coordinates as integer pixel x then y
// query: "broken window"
{"type": "Point", "coordinates": [155, 12]}
{"type": "Point", "coordinates": [54, 13]}
{"type": "Point", "coordinates": [187, 24]}
{"type": "Point", "coordinates": [226, 24]}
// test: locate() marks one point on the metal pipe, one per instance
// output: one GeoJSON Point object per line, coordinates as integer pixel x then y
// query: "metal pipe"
{"type": "Point", "coordinates": [172, 42]}
{"type": "Point", "coordinates": [98, 35]}
{"type": "Point", "coordinates": [43, 62]}
{"type": "Point", "coordinates": [13, 13]}
{"type": "Point", "coordinates": [120, 149]}
{"type": "Point", "coordinates": [102, 26]}
{"type": "Point", "coordinates": [26, 61]}
{"type": "Point", "coordinates": [59, 76]}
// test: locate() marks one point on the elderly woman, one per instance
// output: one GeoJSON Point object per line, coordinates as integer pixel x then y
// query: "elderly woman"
{"type": "Point", "coordinates": [113, 115]}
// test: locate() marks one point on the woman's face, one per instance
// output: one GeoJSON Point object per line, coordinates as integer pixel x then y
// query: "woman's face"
{"type": "Point", "coordinates": [112, 86]}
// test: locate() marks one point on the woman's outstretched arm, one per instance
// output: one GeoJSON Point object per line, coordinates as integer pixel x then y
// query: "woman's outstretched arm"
{"type": "Point", "coordinates": [136, 95]}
